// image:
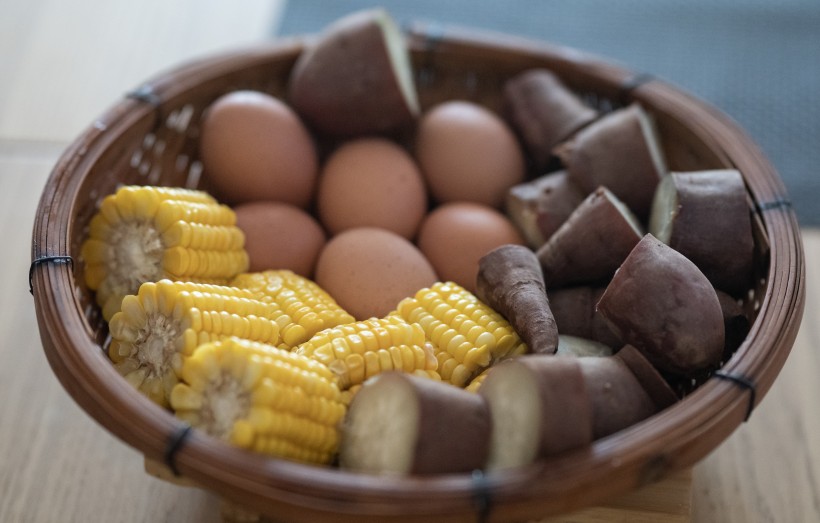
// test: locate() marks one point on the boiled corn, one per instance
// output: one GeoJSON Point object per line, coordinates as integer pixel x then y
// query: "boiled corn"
{"type": "Point", "coordinates": [468, 336]}
{"type": "Point", "coordinates": [143, 234]}
{"type": "Point", "coordinates": [261, 398]}
{"type": "Point", "coordinates": [357, 351]}
{"type": "Point", "coordinates": [165, 321]}
{"type": "Point", "coordinates": [306, 307]}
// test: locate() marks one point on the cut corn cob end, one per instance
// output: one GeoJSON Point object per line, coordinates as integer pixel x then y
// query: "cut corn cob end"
{"type": "Point", "coordinates": [261, 398]}
{"type": "Point", "coordinates": [307, 307]}
{"type": "Point", "coordinates": [143, 234]}
{"type": "Point", "coordinates": [156, 329]}
{"type": "Point", "coordinates": [360, 350]}
{"type": "Point", "coordinates": [468, 336]}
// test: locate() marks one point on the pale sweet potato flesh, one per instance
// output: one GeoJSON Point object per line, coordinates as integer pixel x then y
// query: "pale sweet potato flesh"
{"type": "Point", "coordinates": [404, 424]}
{"type": "Point", "coordinates": [581, 347]}
{"type": "Point", "coordinates": [514, 403]}
{"type": "Point", "coordinates": [381, 428]}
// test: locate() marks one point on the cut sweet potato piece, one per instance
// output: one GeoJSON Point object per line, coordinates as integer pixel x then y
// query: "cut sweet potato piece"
{"type": "Point", "coordinates": [538, 208]}
{"type": "Point", "coordinates": [624, 389]}
{"type": "Point", "coordinates": [405, 424]}
{"type": "Point", "coordinates": [356, 78]}
{"type": "Point", "coordinates": [510, 282]}
{"type": "Point", "coordinates": [661, 303]}
{"type": "Point", "coordinates": [539, 407]}
{"type": "Point", "coordinates": [622, 152]}
{"type": "Point", "coordinates": [574, 311]}
{"type": "Point", "coordinates": [543, 112]}
{"type": "Point", "coordinates": [592, 243]}
{"type": "Point", "coordinates": [704, 216]}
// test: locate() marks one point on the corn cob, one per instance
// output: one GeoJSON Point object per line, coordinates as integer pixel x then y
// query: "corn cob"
{"type": "Point", "coordinates": [476, 382]}
{"type": "Point", "coordinates": [357, 351]}
{"type": "Point", "coordinates": [261, 398]}
{"type": "Point", "coordinates": [306, 307]}
{"type": "Point", "coordinates": [468, 336]}
{"type": "Point", "coordinates": [145, 234]}
{"type": "Point", "coordinates": [349, 394]}
{"type": "Point", "coordinates": [165, 321]}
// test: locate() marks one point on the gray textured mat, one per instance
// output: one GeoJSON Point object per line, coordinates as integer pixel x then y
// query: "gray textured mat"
{"type": "Point", "coordinates": [757, 60]}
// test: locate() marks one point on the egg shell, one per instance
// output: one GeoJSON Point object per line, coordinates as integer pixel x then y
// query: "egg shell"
{"type": "Point", "coordinates": [468, 153]}
{"type": "Point", "coordinates": [280, 236]}
{"type": "Point", "coordinates": [371, 182]}
{"type": "Point", "coordinates": [368, 271]}
{"type": "Point", "coordinates": [455, 236]}
{"type": "Point", "coordinates": [254, 147]}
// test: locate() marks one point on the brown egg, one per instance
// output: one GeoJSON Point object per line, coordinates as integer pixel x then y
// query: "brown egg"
{"type": "Point", "coordinates": [254, 147]}
{"type": "Point", "coordinates": [368, 271]}
{"type": "Point", "coordinates": [467, 153]}
{"type": "Point", "coordinates": [371, 182]}
{"type": "Point", "coordinates": [280, 236]}
{"type": "Point", "coordinates": [456, 235]}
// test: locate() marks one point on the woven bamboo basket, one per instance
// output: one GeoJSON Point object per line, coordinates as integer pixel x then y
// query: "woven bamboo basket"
{"type": "Point", "coordinates": [150, 137]}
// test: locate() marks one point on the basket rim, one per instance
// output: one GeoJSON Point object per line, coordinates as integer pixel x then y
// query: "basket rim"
{"type": "Point", "coordinates": [669, 441]}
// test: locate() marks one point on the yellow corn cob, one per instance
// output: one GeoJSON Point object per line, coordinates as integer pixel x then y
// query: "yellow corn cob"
{"type": "Point", "coordinates": [307, 308]}
{"type": "Point", "coordinates": [476, 382]}
{"type": "Point", "coordinates": [261, 398]}
{"type": "Point", "coordinates": [349, 394]}
{"type": "Point", "coordinates": [145, 234]}
{"type": "Point", "coordinates": [468, 336]}
{"type": "Point", "coordinates": [357, 351]}
{"type": "Point", "coordinates": [165, 321]}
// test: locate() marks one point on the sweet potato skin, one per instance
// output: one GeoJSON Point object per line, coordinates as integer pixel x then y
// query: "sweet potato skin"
{"type": "Point", "coordinates": [510, 281]}
{"type": "Point", "coordinates": [333, 82]}
{"type": "Point", "coordinates": [613, 152]}
{"type": "Point", "coordinates": [712, 226]}
{"type": "Point", "coordinates": [574, 311]}
{"type": "Point", "coordinates": [590, 245]}
{"type": "Point", "coordinates": [538, 208]}
{"type": "Point", "coordinates": [543, 112]}
{"type": "Point", "coordinates": [661, 303]}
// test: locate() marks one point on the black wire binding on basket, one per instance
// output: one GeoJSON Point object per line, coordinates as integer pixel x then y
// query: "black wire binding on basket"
{"type": "Point", "coordinates": [146, 94]}
{"type": "Point", "coordinates": [482, 501]}
{"type": "Point", "coordinates": [777, 203]}
{"type": "Point", "coordinates": [175, 442]}
{"type": "Point", "coordinates": [56, 258]}
{"type": "Point", "coordinates": [744, 383]}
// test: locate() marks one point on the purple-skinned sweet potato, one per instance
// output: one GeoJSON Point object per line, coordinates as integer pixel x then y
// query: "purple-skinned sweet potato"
{"type": "Point", "coordinates": [404, 424]}
{"type": "Point", "coordinates": [592, 243]}
{"type": "Point", "coordinates": [620, 151]}
{"type": "Point", "coordinates": [510, 282]}
{"type": "Point", "coordinates": [661, 303]}
{"type": "Point", "coordinates": [356, 78]}
{"type": "Point", "coordinates": [538, 208]}
{"type": "Point", "coordinates": [574, 311]}
{"type": "Point", "coordinates": [543, 112]}
{"type": "Point", "coordinates": [705, 216]}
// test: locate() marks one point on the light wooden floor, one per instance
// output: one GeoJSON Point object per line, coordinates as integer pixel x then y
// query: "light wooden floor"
{"type": "Point", "coordinates": [61, 64]}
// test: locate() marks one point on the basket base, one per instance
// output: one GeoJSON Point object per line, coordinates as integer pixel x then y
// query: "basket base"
{"type": "Point", "coordinates": [667, 501]}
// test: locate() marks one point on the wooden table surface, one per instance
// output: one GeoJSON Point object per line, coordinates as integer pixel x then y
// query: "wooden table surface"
{"type": "Point", "coordinates": [63, 63]}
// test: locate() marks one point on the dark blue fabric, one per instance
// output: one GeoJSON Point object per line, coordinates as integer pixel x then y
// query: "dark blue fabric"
{"type": "Point", "coordinates": [757, 60]}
